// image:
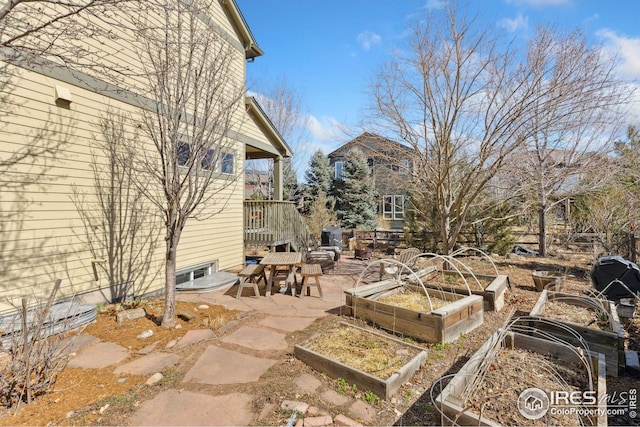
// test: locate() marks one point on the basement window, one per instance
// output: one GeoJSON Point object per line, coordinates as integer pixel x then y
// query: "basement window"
{"type": "Point", "coordinates": [197, 272]}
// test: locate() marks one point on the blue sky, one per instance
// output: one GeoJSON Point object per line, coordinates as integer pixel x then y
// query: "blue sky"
{"type": "Point", "coordinates": [329, 50]}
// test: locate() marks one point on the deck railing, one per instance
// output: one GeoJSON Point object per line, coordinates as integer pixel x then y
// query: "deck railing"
{"type": "Point", "coordinates": [270, 222]}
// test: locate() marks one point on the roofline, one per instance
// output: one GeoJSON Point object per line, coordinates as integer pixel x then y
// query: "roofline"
{"type": "Point", "coordinates": [251, 47]}
{"type": "Point", "coordinates": [354, 140]}
{"type": "Point", "coordinates": [253, 105]}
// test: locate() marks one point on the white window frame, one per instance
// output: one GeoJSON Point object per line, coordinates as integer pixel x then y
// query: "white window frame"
{"type": "Point", "coordinates": [406, 164]}
{"type": "Point", "coordinates": [396, 207]}
{"type": "Point", "coordinates": [183, 158]}
{"type": "Point", "coordinates": [211, 155]}
{"type": "Point", "coordinates": [225, 157]}
{"type": "Point", "coordinates": [197, 272]}
{"type": "Point", "coordinates": [338, 165]}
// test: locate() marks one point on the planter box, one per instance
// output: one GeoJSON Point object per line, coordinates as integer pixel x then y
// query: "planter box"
{"type": "Point", "coordinates": [442, 325]}
{"type": "Point", "coordinates": [451, 401]}
{"type": "Point", "coordinates": [609, 342]}
{"type": "Point", "coordinates": [543, 278]}
{"type": "Point", "coordinates": [383, 388]}
{"type": "Point", "coordinates": [492, 295]}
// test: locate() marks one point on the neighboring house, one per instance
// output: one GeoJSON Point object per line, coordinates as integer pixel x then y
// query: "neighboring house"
{"type": "Point", "coordinates": [390, 164]}
{"type": "Point", "coordinates": [42, 231]}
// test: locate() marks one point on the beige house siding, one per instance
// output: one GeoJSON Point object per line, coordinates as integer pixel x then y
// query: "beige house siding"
{"type": "Point", "coordinates": [41, 226]}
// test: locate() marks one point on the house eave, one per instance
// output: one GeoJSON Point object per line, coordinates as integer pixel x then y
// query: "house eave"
{"type": "Point", "coordinates": [252, 50]}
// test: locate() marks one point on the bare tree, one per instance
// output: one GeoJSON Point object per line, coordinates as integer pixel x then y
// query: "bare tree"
{"type": "Point", "coordinates": [463, 99]}
{"type": "Point", "coordinates": [120, 228]}
{"type": "Point", "coordinates": [56, 29]}
{"type": "Point", "coordinates": [458, 99]}
{"type": "Point", "coordinates": [284, 105]}
{"type": "Point", "coordinates": [189, 68]}
{"type": "Point", "coordinates": [574, 116]}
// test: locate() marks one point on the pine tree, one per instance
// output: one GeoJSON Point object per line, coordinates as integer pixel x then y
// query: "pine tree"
{"type": "Point", "coordinates": [356, 194]}
{"type": "Point", "coordinates": [318, 179]}
{"type": "Point", "coordinates": [290, 181]}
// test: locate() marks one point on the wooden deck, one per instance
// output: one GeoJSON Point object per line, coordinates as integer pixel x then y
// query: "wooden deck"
{"type": "Point", "coordinates": [268, 222]}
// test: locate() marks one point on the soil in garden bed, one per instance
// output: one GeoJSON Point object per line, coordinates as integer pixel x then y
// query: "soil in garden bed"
{"type": "Point", "coordinates": [455, 280]}
{"type": "Point", "coordinates": [495, 397]}
{"type": "Point", "coordinates": [414, 301]}
{"type": "Point", "coordinates": [574, 314]}
{"type": "Point", "coordinates": [367, 352]}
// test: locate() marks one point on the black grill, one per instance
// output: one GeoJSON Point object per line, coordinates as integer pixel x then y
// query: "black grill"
{"type": "Point", "coordinates": [612, 275]}
{"type": "Point", "coordinates": [332, 236]}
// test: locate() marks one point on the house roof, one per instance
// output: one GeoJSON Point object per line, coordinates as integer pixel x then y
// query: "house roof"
{"type": "Point", "coordinates": [371, 143]}
{"type": "Point", "coordinates": [250, 45]}
{"type": "Point", "coordinates": [266, 125]}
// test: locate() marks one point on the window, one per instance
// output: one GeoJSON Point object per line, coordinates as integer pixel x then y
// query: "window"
{"type": "Point", "coordinates": [197, 272]}
{"type": "Point", "coordinates": [227, 163]}
{"type": "Point", "coordinates": [405, 166]}
{"type": "Point", "coordinates": [338, 166]}
{"type": "Point", "coordinates": [393, 207]}
{"type": "Point", "coordinates": [184, 151]}
{"type": "Point", "coordinates": [208, 160]}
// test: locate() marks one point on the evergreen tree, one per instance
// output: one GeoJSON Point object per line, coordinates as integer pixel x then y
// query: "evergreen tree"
{"type": "Point", "coordinates": [318, 178]}
{"type": "Point", "coordinates": [356, 194]}
{"type": "Point", "coordinates": [290, 181]}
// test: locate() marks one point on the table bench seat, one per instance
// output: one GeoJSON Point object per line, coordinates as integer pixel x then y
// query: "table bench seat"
{"type": "Point", "coordinates": [307, 271]}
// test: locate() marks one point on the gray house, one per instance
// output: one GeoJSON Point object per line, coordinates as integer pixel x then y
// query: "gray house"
{"type": "Point", "coordinates": [390, 164]}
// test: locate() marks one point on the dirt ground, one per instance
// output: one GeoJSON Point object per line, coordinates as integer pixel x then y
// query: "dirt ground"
{"type": "Point", "coordinates": [81, 397]}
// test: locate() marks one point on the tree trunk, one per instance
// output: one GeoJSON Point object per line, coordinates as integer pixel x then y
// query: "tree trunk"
{"type": "Point", "coordinates": [542, 230]}
{"type": "Point", "coordinates": [446, 233]}
{"type": "Point", "coordinates": [168, 318]}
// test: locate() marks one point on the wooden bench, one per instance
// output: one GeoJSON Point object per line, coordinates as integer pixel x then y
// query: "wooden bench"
{"type": "Point", "coordinates": [307, 271]}
{"type": "Point", "coordinates": [251, 275]}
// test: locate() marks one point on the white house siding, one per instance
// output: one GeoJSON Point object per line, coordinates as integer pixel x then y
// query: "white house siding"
{"type": "Point", "coordinates": [40, 226]}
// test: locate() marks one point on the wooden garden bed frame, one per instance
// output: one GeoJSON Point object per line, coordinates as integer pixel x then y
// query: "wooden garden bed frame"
{"type": "Point", "coordinates": [609, 342]}
{"type": "Point", "coordinates": [442, 325]}
{"type": "Point", "coordinates": [383, 388]}
{"type": "Point", "coordinates": [452, 404]}
{"type": "Point", "coordinates": [492, 295]}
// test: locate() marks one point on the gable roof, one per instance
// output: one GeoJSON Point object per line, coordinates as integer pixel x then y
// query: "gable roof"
{"type": "Point", "coordinates": [266, 125]}
{"type": "Point", "coordinates": [370, 142]}
{"type": "Point", "coordinates": [251, 47]}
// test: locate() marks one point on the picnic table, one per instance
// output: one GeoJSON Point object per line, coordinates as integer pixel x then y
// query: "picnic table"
{"type": "Point", "coordinates": [281, 261]}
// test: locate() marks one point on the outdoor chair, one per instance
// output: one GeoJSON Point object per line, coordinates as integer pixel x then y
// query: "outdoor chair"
{"type": "Point", "coordinates": [407, 257]}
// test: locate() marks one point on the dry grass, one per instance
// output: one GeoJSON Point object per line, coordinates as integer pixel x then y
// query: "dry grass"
{"type": "Point", "coordinates": [362, 350]}
{"type": "Point", "coordinates": [415, 301]}
{"type": "Point", "coordinates": [515, 370]}
{"type": "Point", "coordinates": [576, 315]}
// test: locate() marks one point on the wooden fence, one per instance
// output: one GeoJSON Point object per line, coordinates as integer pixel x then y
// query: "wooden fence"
{"type": "Point", "coordinates": [574, 243]}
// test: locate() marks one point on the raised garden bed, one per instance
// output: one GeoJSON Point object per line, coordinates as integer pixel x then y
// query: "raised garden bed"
{"type": "Point", "coordinates": [455, 313]}
{"type": "Point", "coordinates": [372, 361]}
{"type": "Point", "coordinates": [595, 320]}
{"type": "Point", "coordinates": [489, 388]}
{"type": "Point", "coordinates": [491, 288]}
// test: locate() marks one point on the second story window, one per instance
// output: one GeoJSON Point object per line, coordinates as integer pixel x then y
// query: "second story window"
{"type": "Point", "coordinates": [208, 160]}
{"type": "Point", "coordinates": [184, 151]}
{"type": "Point", "coordinates": [405, 166]}
{"type": "Point", "coordinates": [338, 174]}
{"type": "Point", "coordinates": [226, 163]}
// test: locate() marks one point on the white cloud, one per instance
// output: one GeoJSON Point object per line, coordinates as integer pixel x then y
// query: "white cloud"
{"type": "Point", "coordinates": [539, 2]}
{"type": "Point", "coordinates": [328, 129]}
{"type": "Point", "coordinates": [368, 39]}
{"type": "Point", "coordinates": [518, 23]}
{"type": "Point", "coordinates": [435, 4]}
{"type": "Point", "coordinates": [626, 49]}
